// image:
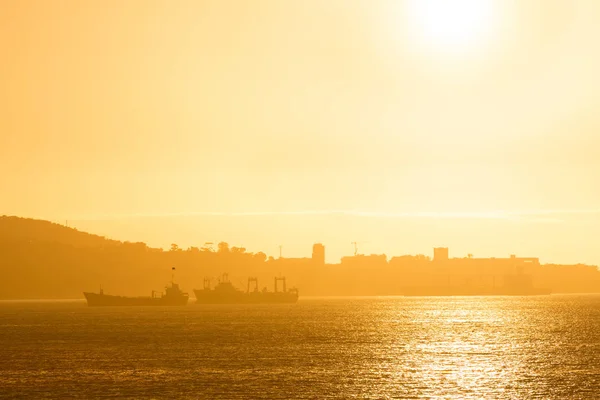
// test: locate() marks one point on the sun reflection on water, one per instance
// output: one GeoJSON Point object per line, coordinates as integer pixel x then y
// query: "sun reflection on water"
{"type": "Point", "coordinates": [450, 348]}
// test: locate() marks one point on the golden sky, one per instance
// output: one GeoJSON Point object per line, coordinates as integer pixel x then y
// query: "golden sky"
{"type": "Point", "coordinates": [473, 125]}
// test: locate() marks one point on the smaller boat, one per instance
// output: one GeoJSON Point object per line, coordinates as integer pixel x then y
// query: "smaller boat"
{"type": "Point", "coordinates": [173, 296]}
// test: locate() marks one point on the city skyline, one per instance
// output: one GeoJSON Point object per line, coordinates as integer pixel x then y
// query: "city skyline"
{"type": "Point", "coordinates": [431, 233]}
{"type": "Point", "coordinates": [42, 254]}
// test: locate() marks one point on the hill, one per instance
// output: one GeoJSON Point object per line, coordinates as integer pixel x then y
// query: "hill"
{"type": "Point", "coordinates": [41, 259]}
{"type": "Point", "coordinates": [16, 229]}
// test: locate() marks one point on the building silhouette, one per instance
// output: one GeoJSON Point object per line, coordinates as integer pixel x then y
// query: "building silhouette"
{"type": "Point", "coordinates": [318, 254]}
{"type": "Point", "coordinates": [440, 254]}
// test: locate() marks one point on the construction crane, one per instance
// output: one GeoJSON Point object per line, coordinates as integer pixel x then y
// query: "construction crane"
{"type": "Point", "coordinates": [355, 244]}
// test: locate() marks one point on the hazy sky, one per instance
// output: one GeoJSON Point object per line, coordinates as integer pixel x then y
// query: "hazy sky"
{"type": "Point", "coordinates": [400, 114]}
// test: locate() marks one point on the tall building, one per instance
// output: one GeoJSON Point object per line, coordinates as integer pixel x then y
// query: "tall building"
{"type": "Point", "coordinates": [440, 254]}
{"type": "Point", "coordinates": [318, 254]}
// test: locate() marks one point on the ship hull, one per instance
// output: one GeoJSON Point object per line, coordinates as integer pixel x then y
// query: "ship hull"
{"type": "Point", "coordinates": [210, 297]}
{"type": "Point", "coordinates": [103, 300]}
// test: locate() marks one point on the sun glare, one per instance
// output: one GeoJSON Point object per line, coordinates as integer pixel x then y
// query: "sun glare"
{"type": "Point", "coordinates": [449, 26]}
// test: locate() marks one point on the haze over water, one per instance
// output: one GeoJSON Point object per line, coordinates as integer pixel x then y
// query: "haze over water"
{"type": "Point", "coordinates": [339, 348]}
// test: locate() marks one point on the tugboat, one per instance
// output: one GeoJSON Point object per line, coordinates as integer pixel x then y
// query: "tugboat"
{"type": "Point", "coordinates": [173, 296]}
{"type": "Point", "coordinates": [226, 293]}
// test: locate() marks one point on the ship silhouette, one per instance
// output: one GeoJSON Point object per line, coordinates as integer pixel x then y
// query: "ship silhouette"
{"type": "Point", "coordinates": [225, 293]}
{"type": "Point", "coordinates": [173, 296]}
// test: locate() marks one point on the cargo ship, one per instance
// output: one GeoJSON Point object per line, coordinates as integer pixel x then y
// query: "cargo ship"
{"type": "Point", "coordinates": [225, 293]}
{"type": "Point", "coordinates": [173, 296]}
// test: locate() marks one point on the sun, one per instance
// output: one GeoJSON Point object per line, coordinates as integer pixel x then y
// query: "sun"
{"type": "Point", "coordinates": [449, 26]}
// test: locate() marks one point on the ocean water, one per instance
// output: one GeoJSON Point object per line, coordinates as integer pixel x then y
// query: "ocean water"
{"type": "Point", "coordinates": [545, 347]}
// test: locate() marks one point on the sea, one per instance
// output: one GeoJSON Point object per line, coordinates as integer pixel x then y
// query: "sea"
{"type": "Point", "coordinates": [539, 347]}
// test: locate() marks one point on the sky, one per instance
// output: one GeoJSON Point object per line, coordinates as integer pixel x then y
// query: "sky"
{"type": "Point", "coordinates": [402, 125]}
